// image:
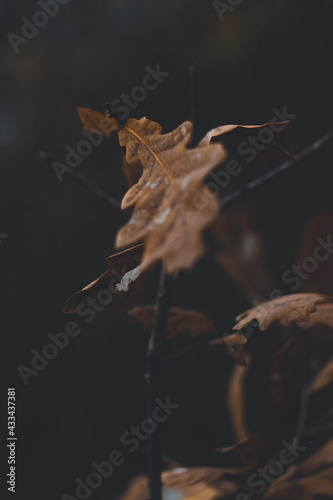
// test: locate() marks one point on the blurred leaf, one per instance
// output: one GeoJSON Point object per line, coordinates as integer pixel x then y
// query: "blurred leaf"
{"type": "Point", "coordinates": [286, 310]}
{"type": "Point", "coordinates": [248, 449]}
{"type": "Point", "coordinates": [311, 479]}
{"type": "Point", "coordinates": [232, 344]}
{"type": "Point", "coordinates": [231, 136]}
{"type": "Point", "coordinates": [179, 321]}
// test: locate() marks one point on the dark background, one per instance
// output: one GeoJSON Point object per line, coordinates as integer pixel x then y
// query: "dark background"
{"type": "Point", "coordinates": [265, 55]}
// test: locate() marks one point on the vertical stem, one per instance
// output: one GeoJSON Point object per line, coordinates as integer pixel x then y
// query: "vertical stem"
{"type": "Point", "coordinates": [154, 379]}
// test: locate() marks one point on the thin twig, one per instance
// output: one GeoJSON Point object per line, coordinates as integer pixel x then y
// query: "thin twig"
{"type": "Point", "coordinates": [81, 178]}
{"type": "Point", "coordinates": [47, 157]}
{"type": "Point", "coordinates": [307, 153]}
{"type": "Point", "coordinates": [154, 379]}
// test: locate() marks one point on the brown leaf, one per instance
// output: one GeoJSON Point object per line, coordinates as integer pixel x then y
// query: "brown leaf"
{"type": "Point", "coordinates": [179, 321]}
{"type": "Point", "coordinates": [307, 480]}
{"type": "Point", "coordinates": [323, 316]}
{"type": "Point", "coordinates": [286, 310]}
{"type": "Point", "coordinates": [248, 450]}
{"type": "Point", "coordinates": [231, 136]}
{"type": "Point", "coordinates": [234, 345]}
{"type": "Point", "coordinates": [198, 483]}
{"type": "Point", "coordinates": [98, 123]}
{"type": "Point", "coordinates": [132, 171]}
{"type": "Point", "coordinates": [243, 253]}
{"type": "Point", "coordinates": [124, 280]}
{"type": "Point", "coordinates": [172, 206]}
{"type": "Point", "coordinates": [236, 400]}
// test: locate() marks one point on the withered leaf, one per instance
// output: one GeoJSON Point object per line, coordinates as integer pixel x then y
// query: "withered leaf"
{"type": "Point", "coordinates": [234, 345]}
{"type": "Point", "coordinates": [172, 207]}
{"type": "Point", "coordinates": [286, 310]}
{"type": "Point", "coordinates": [198, 483]}
{"type": "Point", "coordinates": [307, 480]}
{"type": "Point", "coordinates": [94, 121]}
{"type": "Point", "coordinates": [231, 136]}
{"type": "Point", "coordinates": [124, 279]}
{"type": "Point", "coordinates": [247, 449]}
{"type": "Point", "coordinates": [179, 321]}
{"type": "Point", "coordinates": [236, 400]}
{"type": "Point", "coordinates": [132, 171]}
{"type": "Point", "coordinates": [323, 316]}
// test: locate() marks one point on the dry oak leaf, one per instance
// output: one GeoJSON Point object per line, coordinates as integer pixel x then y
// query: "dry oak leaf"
{"type": "Point", "coordinates": [132, 171]}
{"type": "Point", "coordinates": [93, 121]}
{"type": "Point", "coordinates": [233, 137]}
{"type": "Point", "coordinates": [287, 309]}
{"type": "Point", "coordinates": [323, 316]}
{"type": "Point", "coordinates": [124, 280]}
{"type": "Point", "coordinates": [198, 483]}
{"type": "Point", "coordinates": [172, 207]}
{"type": "Point", "coordinates": [179, 321]}
{"type": "Point", "coordinates": [309, 480]}
{"type": "Point", "coordinates": [247, 449]}
{"type": "Point", "coordinates": [234, 345]}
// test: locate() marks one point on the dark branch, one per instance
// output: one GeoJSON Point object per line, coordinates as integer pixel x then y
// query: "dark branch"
{"type": "Point", "coordinates": [242, 192]}
{"type": "Point", "coordinates": [154, 379]}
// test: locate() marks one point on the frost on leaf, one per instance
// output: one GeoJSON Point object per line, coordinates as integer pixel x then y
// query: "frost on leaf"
{"type": "Point", "coordinates": [128, 278]}
{"type": "Point", "coordinates": [122, 281]}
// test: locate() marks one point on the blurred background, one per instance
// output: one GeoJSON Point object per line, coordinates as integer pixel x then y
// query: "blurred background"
{"type": "Point", "coordinates": [264, 55]}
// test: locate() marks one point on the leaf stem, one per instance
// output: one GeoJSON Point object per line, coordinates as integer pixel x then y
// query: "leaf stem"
{"type": "Point", "coordinates": [306, 154]}
{"type": "Point", "coordinates": [154, 379]}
